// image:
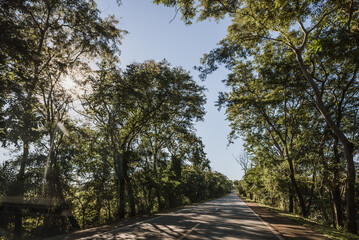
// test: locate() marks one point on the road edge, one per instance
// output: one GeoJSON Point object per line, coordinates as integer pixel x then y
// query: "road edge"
{"type": "Point", "coordinates": [128, 222]}
{"type": "Point", "coordinates": [176, 210]}
{"type": "Point", "coordinates": [273, 229]}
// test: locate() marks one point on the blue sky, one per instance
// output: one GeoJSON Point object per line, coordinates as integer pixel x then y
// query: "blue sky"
{"type": "Point", "coordinates": [151, 36]}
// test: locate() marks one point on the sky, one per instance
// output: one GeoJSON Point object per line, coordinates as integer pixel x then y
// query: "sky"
{"type": "Point", "coordinates": [152, 36]}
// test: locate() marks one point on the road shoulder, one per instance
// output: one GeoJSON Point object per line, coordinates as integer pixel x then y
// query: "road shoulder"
{"type": "Point", "coordinates": [288, 228]}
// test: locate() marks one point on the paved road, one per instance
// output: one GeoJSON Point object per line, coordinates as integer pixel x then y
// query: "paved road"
{"type": "Point", "coordinates": [224, 218]}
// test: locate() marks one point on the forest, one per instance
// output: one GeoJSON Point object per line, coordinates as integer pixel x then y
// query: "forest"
{"type": "Point", "coordinates": [91, 143]}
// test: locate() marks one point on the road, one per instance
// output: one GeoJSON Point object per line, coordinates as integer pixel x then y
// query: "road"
{"type": "Point", "coordinates": [224, 218]}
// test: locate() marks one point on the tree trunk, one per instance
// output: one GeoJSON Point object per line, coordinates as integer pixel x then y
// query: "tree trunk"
{"type": "Point", "coordinates": [120, 180]}
{"type": "Point", "coordinates": [348, 146]}
{"type": "Point", "coordinates": [291, 200]}
{"type": "Point", "coordinates": [296, 188]}
{"type": "Point", "coordinates": [332, 205]}
{"type": "Point", "coordinates": [158, 195]}
{"type": "Point", "coordinates": [131, 197]}
{"type": "Point", "coordinates": [149, 200]}
{"type": "Point", "coordinates": [336, 188]}
{"type": "Point", "coordinates": [333, 210]}
{"type": "Point", "coordinates": [348, 149]}
{"type": "Point", "coordinates": [121, 209]}
{"type": "Point", "coordinates": [20, 190]}
{"type": "Point", "coordinates": [158, 185]}
{"type": "Point", "coordinates": [65, 206]}
{"type": "Point", "coordinates": [109, 210]}
{"type": "Point", "coordinates": [311, 194]}
{"type": "Point", "coordinates": [322, 206]}
{"type": "Point", "coordinates": [97, 218]}
{"type": "Point", "coordinates": [55, 191]}
{"type": "Point", "coordinates": [60, 193]}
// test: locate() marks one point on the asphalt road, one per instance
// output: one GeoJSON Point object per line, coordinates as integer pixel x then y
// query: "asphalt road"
{"type": "Point", "coordinates": [224, 218]}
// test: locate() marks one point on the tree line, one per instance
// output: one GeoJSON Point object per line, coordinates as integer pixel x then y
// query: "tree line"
{"type": "Point", "coordinates": [121, 144]}
{"type": "Point", "coordinates": [293, 98]}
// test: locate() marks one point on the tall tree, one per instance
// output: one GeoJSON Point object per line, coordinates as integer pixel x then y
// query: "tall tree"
{"type": "Point", "coordinates": [264, 103]}
{"type": "Point", "coordinates": [54, 35]}
{"type": "Point", "coordinates": [126, 104]}
{"type": "Point", "coordinates": [322, 36]}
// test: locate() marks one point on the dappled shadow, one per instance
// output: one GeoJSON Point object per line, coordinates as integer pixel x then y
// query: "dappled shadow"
{"type": "Point", "coordinates": [289, 228]}
{"type": "Point", "coordinates": [225, 218]}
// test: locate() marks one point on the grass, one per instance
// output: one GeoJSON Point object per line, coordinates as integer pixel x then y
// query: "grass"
{"type": "Point", "coordinates": [330, 232]}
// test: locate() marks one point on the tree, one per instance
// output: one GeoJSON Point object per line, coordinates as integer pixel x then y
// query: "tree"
{"type": "Point", "coordinates": [263, 108]}
{"type": "Point", "coordinates": [244, 161]}
{"type": "Point", "coordinates": [321, 35]}
{"type": "Point", "coordinates": [53, 36]}
{"type": "Point", "coordinates": [127, 104]}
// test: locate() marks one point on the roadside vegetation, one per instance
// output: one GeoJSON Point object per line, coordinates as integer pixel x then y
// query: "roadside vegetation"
{"type": "Point", "coordinates": [90, 143]}
{"type": "Point", "coordinates": [329, 231]}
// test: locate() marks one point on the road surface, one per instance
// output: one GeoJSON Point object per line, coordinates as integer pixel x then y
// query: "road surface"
{"type": "Point", "coordinates": [224, 218]}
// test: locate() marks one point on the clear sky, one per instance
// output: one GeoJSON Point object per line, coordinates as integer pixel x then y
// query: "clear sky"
{"type": "Point", "coordinates": [151, 36]}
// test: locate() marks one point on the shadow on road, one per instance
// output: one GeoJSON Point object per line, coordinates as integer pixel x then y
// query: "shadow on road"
{"type": "Point", "coordinates": [225, 218]}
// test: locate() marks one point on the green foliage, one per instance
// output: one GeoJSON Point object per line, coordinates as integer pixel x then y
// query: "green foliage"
{"type": "Point", "coordinates": [136, 154]}
{"type": "Point", "coordinates": [293, 97]}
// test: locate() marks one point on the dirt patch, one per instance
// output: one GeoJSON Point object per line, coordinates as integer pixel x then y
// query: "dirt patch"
{"type": "Point", "coordinates": [288, 228]}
